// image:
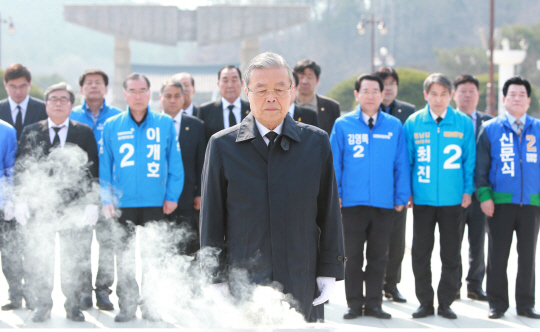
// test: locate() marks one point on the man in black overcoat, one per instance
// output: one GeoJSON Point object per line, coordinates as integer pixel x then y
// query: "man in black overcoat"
{"type": "Point", "coordinates": [269, 196]}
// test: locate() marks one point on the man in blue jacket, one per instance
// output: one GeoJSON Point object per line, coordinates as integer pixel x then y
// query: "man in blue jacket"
{"type": "Point", "coordinates": [373, 177]}
{"type": "Point", "coordinates": [141, 173]}
{"type": "Point", "coordinates": [507, 179]}
{"type": "Point", "coordinates": [94, 112]}
{"type": "Point", "coordinates": [442, 156]}
{"type": "Point", "coordinates": [8, 149]}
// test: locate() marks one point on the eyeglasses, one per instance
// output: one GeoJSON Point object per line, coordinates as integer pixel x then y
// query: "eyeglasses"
{"type": "Point", "coordinates": [61, 100]}
{"type": "Point", "coordinates": [264, 92]}
{"type": "Point", "coordinates": [134, 92]}
{"type": "Point", "coordinates": [370, 93]}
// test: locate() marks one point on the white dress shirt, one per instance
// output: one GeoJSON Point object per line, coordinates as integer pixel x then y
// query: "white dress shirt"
{"type": "Point", "coordinates": [366, 117]}
{"type": "Point", "coordinates": [13, 105]}
{"type": "Point", "coordinates": [62, 133]}
{"type": "Point", "coordinates": [236, 111]}
{"type": "Point", "coordinates": [177, 123]}
{"type": "Point", "coordinates": [263, 130]}
{"type": "Point", "coordinates": [435, 116]}
{"type": "Point", "coordinates": [189, 110]}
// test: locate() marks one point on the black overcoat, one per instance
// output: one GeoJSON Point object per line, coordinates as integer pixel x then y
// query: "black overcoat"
{"type": "Point", "coordinates": [274, 213]}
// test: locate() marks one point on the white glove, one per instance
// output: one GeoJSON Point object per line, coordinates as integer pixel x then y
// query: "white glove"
{"type": "Point", "coordinates": [9, 211]}
{"type": "Point", "coordinates": [91, 214]}
{"type": "Point", "coordinates": [21, 213]}
{"type": "Point", "coordinates": [326, 286]}
{"type": "Point", "coordinates": [220, 292]}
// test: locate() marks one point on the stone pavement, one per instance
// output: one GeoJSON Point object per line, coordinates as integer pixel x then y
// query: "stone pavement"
{"type": "Point", "coordinates": [471, 314]}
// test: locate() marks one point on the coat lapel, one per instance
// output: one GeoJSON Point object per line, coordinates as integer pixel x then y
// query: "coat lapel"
{"type": "Point", "coordinates": [5, 112]}
{"type": "Point", "coordinates": [249, 132]}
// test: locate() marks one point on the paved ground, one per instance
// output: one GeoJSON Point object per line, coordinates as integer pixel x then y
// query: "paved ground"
{"type": "Point", "coordinates": [471, 314]}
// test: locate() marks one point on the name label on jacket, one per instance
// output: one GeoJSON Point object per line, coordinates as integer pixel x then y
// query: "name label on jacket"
{"type": "Point", "coordinates": [153, 155]}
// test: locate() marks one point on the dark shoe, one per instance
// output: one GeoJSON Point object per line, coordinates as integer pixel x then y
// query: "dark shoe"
{"type": "Point", "coordinates": [477, 294]}
{"type": "Point", "coordinates": [446, 312]}
{"type": "Point", "coordinates": [377, 312]}
{"type": "Point", "coordinates": [12, 306]}
{"type": "Point", "coordinates": [86, 301]}
{"type": "Point", "coordinates": [394, 295]}
{"type": "Point", "coordinates": [41, 315]}
{"type": "Point", "coordinates": [75, 315]}
{"type": "Point", "coordinates": [495, 314]}
{"type": "Point", "coordinates": [102, 299]}
{"type": "Point", "coordinates": [423, 311]}
{"type": "Point", "coordinates": [124, 316]}
{"type": "Point", "coordinates": [353, 313]}
{"type": "Point", "coordinates": [529, 312]}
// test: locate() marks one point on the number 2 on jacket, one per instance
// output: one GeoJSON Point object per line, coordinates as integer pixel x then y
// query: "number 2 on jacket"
{"type": "Point", "coordinates": [130, 150]}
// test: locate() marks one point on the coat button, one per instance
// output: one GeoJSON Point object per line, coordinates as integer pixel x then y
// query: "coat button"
{"type": "Point", "coordinates": [339, 258]}
{"type": "Point", "coordinates": [399, 110]}
{"type": "Point", "coordinates": [322, 109]}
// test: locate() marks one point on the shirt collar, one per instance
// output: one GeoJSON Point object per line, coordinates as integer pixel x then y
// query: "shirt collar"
{"type": "Point", "coordinates": [52, 124]}
{"type": "Point", "coordinates": [291, 110]}
{"type": "Point", "coordinates": [512, 119]}
{"type": "Point", "coordinates": [312, 104]}
{"type": "Point", "coordinates": [189, 109]}
{"type": "Point", "coordinates": [23, 104]}
{"type": "Point", "coordinates": [366, 117]}
{"type": "Point", "coordinates": [85, 107]}
{"type": "Point", "coordinates": [435, 116]}
{"type": "Point", "coordinates": [178, 117]}
{"type": "Point", "coordinates": [226, 104]}
{"type": "Point", "coordinates": [263, 130]}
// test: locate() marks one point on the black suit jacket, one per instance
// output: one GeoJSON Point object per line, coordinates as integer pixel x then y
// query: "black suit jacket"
{"type": "Point", "coordinates": [328, 112]}
{"type": "Point", "coordinates": [481, 117]}
{"type": "Point", "coordinates": [35, 139]}
{"type": "Point", "coordinates": [196, 110]}
{"type": "Point", "coordinates": [192, 146]}
{"type": "Point", "coordinates": [35, 112]}
{"type": "Point", "coordinates": [306, 115]}
{"type": "Point", "coordinates": [211, 114]}
{"type": "Point", "coordinates": [401, 110]}
{"type": "Point", "coordinates": [274, 213]}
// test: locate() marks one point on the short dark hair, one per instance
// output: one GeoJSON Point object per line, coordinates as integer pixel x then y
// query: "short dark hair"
{"type": "Point", "coordinates": [16, 70]}
{"type": "Point", "coordinates": [135, 76]}
{"type": "Point", "coordinates": [385, 72]}
{"type": "Point", "coordinates": [229, 67]}
{"type": "Point", "coordinates": [462, 79]}
{"type": "Point", "coordinates": [60, 86]}
{"type": "Point", "coordinates": [517, 80]}
{"type": "Point", "coordinates": [296, 79]}
{"type": "Point", "coordinates": [368, 77]}
{"type": "Point", "coordinates": [303, 64]}
{"type": "Point", "coordinates": [437, 78]}
{"type": "Point", "coordinates": [174, 83]}
{"type": "Point", "coordinates": [93, 72]}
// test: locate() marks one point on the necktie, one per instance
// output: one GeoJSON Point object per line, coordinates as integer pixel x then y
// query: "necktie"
{"type": "Point", "coordinates": [518, 127]}
{"type": "Point", "coordinates": [56, 140]}
{"type": "Point", "coordinates": [18, 121]}
{"type": "Point", "coordinates": [232, 119]}
{"type": "Point", "coordinates": [370, 123]}
{"type": "Point", "coordinates": [272, 137]}
{"type": "Point", "coordinates": [439, 119]}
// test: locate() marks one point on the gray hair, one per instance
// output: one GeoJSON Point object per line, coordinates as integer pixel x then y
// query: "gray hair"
{"type": "Point", "coordinates": [60, 86]}
{"type": "Point", "coordinates": [437, 78]}
{"type": "Point", "coordinates": [265, 61]}
{"type": "Point", "coordinates": [174, 83]}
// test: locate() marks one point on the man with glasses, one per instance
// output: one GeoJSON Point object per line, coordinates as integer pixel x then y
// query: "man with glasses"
{"type": "Point", "coordinates": [94, 112]}
{"type": "Point", "coordinates": [269, 197]}
{"type": "Point", "coordinates": [57, 171]}
{"type": "Point", "coordinates": [508, 188]}
{"type": "Point", "coordinates": [396, 251]}
{"type": "Point", "coordinates": [18, 110]}
{"type": "Point", "coordinates": [230, 109]}
{"type": "Point", "coordinates": [141, 176]}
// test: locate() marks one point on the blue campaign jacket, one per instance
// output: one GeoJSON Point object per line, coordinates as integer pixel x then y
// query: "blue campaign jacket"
{"type": "Point", "coordinates": [507, 170]}
{"type": "Point", "coordinates": [442, 157]}
{"type": "Point", "coordinates": [81, 114]}
{"type": "Point", "coordinates": [8, 149]}
{"type": "Point", "coordinates": [372, 166]}
{"type": "Point", "coordinates": [140, 166]}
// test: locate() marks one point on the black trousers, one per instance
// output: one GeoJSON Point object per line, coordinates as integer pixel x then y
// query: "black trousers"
{"type": "Point", "coordinates": [373, 225]}
{"type": "Point", "coordinates": [475, 220]}
{"type": "Point", "coordinates": [12, 247]}
{"type": "Point", "coordinates": [39, 264]}
{"type": "Point", "coordinates": [524, 221]}
{"type": "Point", "coordinates": [396, 251]}
{"type": "Point", "coordinates": [425, 218]}
{"type": "Point", "coordinates": [127, 288]}
{"type": "Point", "coordinates": [188, 240]}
